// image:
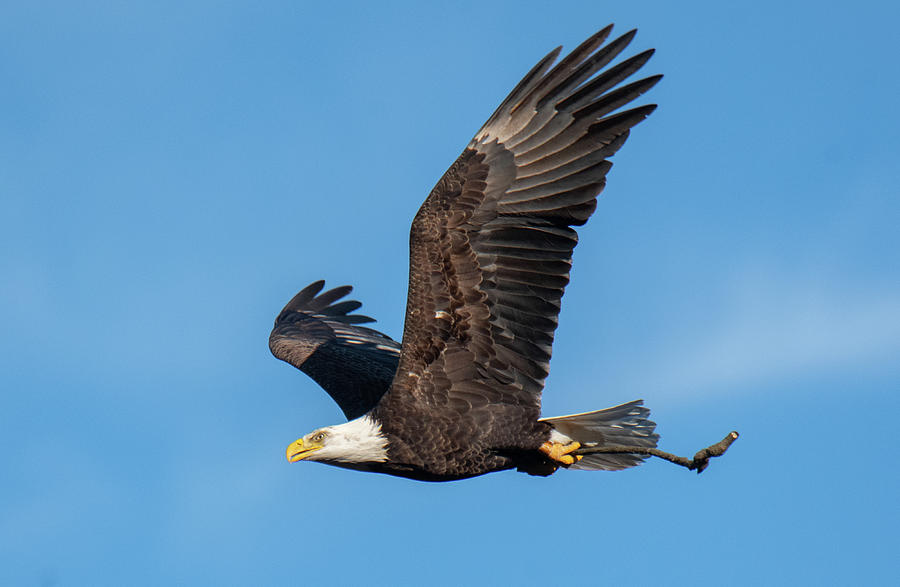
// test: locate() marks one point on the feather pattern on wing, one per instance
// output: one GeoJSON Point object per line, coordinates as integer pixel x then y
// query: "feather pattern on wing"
{"type": "Point", "coordinates": [491, 247]}
{"type": "Point", "coordinates": [319, 335]}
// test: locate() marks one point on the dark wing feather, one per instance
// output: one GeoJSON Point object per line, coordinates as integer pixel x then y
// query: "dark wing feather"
{"type": "Point", "coordinates": [354, 364]}
{"type": "Point", "coordinates": [491, 247]}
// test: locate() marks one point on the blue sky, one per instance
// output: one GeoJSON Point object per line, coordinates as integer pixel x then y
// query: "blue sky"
{"type": "Point", "coordinates": [172, 173]}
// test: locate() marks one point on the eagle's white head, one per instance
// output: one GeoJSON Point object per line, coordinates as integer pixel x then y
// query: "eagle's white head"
{"type": "Point", "coordinates": [357, 441]}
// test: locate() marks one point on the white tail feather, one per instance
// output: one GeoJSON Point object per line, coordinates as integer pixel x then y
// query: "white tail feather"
{"type": "Point", "coordinates": [623, 425]}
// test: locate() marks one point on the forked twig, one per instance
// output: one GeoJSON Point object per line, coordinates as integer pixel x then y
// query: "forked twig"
{"type": "Point", "coordinates": [698, 463]}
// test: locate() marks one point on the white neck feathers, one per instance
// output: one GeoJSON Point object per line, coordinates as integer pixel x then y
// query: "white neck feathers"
{"type": "Point", "coordinates": [357, 441]}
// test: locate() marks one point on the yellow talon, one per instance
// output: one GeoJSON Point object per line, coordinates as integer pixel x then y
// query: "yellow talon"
{"type": "Point", "coordinates": [570, 459]}
{"type": "Point", "coordinates": [560, 452]}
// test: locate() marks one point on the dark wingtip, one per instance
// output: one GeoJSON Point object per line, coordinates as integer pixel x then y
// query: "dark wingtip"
{"type": "Point", "coordinates": [304, 296]}
{"type": "Point", "coordinates": [553, 55]}
{"type": "Point", "coordinates": [310, 300]}
{"type": "Point", "coordinates": [343, 308]}
{"type": "Point", "coordinates": [597, 38]}
{"type": "Point", "coordinates": [356, 319]}
{"type": "Point", "coordinates": [310, 291]}
{"type": "Point", "coordinates": [324, 300]}
{"type": "Point", "coordinates": [621, 42]}
{"type": "Point", "coordinates": [649, 53]}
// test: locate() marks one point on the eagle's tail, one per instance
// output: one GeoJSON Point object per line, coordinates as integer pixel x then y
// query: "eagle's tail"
{"type": "Point", "coordinates": [623, 425]}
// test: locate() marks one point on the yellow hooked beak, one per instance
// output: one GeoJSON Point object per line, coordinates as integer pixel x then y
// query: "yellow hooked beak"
{"type": "Point", "coordinates": [298, 450]}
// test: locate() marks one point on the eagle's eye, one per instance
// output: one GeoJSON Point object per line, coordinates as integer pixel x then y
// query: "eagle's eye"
{"type": "Point", "coordinates": [318, 437]}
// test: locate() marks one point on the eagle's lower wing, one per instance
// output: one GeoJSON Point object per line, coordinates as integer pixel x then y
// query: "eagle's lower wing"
{"type": "Point", "coordinates": [491, 247]}
{"type": "Point", "coordinates": [354, 364]}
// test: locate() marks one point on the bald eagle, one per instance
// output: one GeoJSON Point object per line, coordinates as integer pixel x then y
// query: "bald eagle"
{"type": "Point", "coordinates": [490, 253]}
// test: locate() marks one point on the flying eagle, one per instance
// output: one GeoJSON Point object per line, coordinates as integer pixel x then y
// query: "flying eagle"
{"type": "Point", "coordinates": [490, 253]}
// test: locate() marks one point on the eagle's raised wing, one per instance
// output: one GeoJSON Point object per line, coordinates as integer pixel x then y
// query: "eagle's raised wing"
{"type": "Point", "coordinates": [491, 247]}
{"type": "Point", "coordinates": [354, 364]}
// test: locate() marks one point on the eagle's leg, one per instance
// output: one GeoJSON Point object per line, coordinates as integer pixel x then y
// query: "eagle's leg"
{"type": "Point", "coordinates": [559, 452]}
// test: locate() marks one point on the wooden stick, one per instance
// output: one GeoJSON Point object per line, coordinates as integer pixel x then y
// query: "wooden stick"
{"type": "Point", "coordinates": [698, 463]}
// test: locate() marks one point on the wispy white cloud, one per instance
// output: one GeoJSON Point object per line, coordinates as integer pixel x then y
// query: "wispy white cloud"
{"type": "Point", "coordinates": [776, 330]}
